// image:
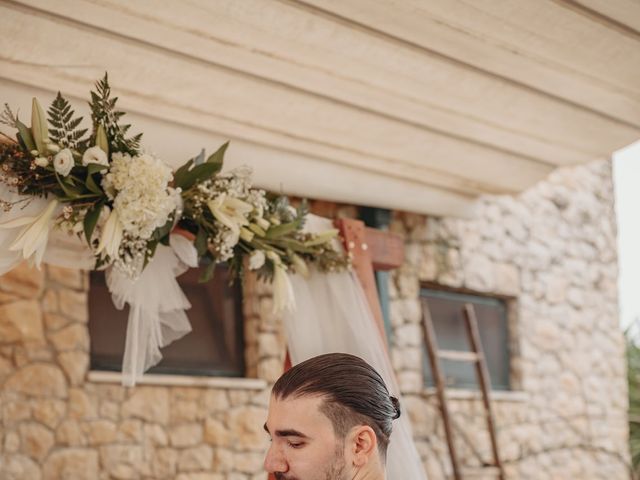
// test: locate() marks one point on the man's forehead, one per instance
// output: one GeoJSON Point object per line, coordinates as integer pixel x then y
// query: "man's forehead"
{"type": "Point", "coordinates": [296, 413]}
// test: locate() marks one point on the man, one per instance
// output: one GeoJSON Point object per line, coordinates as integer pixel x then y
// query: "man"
{"type": "Point", "coordinates": [330, 419]}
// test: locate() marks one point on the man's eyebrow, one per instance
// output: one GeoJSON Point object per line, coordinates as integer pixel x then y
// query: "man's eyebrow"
{"type": "Point", "coordinates": [286, 433]}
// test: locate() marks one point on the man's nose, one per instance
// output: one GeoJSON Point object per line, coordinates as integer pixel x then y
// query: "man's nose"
{"type": "Point", "coordinates": [274, 461]}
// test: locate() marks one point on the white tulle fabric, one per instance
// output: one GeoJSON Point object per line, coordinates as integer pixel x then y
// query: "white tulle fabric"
{"type": "Point", "coordinates": [333, 315]}
{"type": "Point", "coordinates": [157, 304]}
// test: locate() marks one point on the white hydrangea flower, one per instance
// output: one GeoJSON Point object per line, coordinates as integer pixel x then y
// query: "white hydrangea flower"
{"type": "Point", "coordinates": [63, 162]}
{"type": "Point", "coordinates": [139, 187]}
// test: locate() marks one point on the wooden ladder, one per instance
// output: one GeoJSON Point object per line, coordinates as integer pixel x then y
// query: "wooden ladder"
{"type": "Point", "coordinates": [475, 356]}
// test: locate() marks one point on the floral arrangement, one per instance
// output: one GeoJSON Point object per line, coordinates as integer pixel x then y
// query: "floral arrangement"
{"type": "Point", "coordinates": [123, 201]}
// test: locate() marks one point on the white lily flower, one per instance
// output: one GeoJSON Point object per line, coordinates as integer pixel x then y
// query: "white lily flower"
{"type": "Point", "coordinates": [300, 265]}
{"type": "Point", "coordinates": [231, 212]}
{"type": "Point", "coordinates": [111, 236]}
{"type": "Point", "coordinates": [32, 240]}
{"type": "Point", "coordinates": [283, 296]}
{"type": "Point", "coordinates": [94, 155]}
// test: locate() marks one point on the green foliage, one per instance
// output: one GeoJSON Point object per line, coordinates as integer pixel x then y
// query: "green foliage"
{"type": "Point", "coordinates": [194, 172]}
{"type": "Point", "coordinates": [103, 112]}
{"type": "Point", "coordinates": [7, 117]}
{"type": "Point", "coordinates": [633, 378]}
{"type": "Point", "coordinates": [64, 127]}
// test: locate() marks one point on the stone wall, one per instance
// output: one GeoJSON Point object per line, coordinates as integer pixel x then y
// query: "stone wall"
{"type": "Point", "coordinates": [552, 250]}
{"type": "Point", "coordinates": [59, 424]}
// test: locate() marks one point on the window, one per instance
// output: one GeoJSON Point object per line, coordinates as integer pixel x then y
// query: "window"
{"type": "Point", "coordinates": [448, 322]}
{"type": "Point", "coordinates": [214, 347]}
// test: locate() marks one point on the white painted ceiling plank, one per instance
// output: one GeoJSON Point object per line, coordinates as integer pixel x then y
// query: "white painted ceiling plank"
{"type": "Point", "coordinates": [538, 44]}
{"type": "Point", "coordinates": [274, 169]}
{"type": "Point", "coordinates": [625, 12]}
{"type": "Point", "coordinates": [276, 110]}
{"type": "Point", "coordinates": [481, 103]}
{"type": "Point", "coordinates": [158, 28]}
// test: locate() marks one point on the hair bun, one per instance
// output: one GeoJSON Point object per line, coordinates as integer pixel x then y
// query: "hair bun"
{"type": "Point", "coordinates": [396, 406]}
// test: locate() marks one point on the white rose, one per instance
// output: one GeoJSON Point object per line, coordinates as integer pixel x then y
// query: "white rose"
{"type": "Point", "coordinates": [63, 162]}
{"type": "Point", "coordinates": [41, 161]}
{"type": "Point", "coordinates": [95, 155]}
{"type": "Point", "coordinates": [256, 259]}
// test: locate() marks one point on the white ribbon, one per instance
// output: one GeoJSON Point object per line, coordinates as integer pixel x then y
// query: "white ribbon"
{"type": "Point", "coordinates": [157, 306]}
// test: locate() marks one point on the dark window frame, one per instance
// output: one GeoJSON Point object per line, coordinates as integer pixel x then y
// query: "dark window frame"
{"type": "Point", "coordinates": [500, 369]}
{"type": "Point", "coordinates": [216, 324]}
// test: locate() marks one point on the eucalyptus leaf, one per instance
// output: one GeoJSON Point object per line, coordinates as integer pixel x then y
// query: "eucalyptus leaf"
{"type": "Point", "coordinates": [217, 158]}
{"type": "Point", "coordinates": [162, 233]}
{"type": "Point", "coordinates": [69, 190]}
{"type": "Point", "coordinates": [201, 242]}
{"type": "Point", "coordinates": [197, 174]}
{"type": "Point", "coordinates": [208, 272]}
{"type": "Point", "coordinates": [91, 220]}
{"type": "Point", "coordinates": [178, 176]}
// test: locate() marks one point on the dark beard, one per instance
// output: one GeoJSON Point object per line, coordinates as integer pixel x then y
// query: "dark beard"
{"type": "Point", "coordinates": [334, 471]}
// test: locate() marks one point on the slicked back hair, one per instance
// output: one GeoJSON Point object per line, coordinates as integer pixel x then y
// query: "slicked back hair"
{"type": "Point", "coordinates": [354, 394]}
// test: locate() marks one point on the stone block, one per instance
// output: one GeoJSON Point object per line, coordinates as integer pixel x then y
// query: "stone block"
{"type": "Point", "coordinates": [223, 460]}
{"type": "Point", "coordinates": [49, 411]}
{"type": "Point", "coordinates": [36, 440]}
{"type": "Point", "coordinates": [71, 463]}
{"type": "Point", "coordinates": [69, 433]}
{"type": "Point", "coordinates": [183, 411]}
{"type": "Point", "coordinates": [246, 425]}
{"type": "Point", "coordinates": [23, 281]}
{"type": "Point", "coordinates": [122, 461]}
{"type": "Point", "coordinates": [67, 277]}
{"type": "Point", "coordinates": [195, 459]}
{"type": "Point", "coordinates": [270, 369]}
{"type": "Point", "coordinates": [216, 401]}
{"type": "Point", "coordinates": [19, 467]}
{"type": "Point", "coordinates": [74, 305]}
{"type": "Point", "coordinates": [186, 435]}
{"type": "Point", "coordinates": [81, 406]}
{"type": "Point", "coordinates": [21, 322]}
{"type": "Point", "coordinates": [72, 337]}
{"type": "Point", "coordinates": [148, 403]}
{"type": "Point", "coordinates": [55, 321]}
{"type": "Point", "coordinates": [100, 432]}
{"type": "Point", "coordinates": [216, 433]}
{"type": "Point", "coordinates": [39, 380]}
{"type": "Point", "coordinates": [165, 463]}
{"type": "Point", "coordinates": [248, 462]}
{"type": "Point", "coordinates": [75, 365]}
{"type": "Point", "coordinates": [11, 443]}
{"type": "Point", "coordinates": [14, 411]}
{"type": "Point", "coordinates": [130, 431]}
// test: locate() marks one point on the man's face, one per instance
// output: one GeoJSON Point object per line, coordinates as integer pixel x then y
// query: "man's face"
{"type": "Point", "coordinates": [303, 443]}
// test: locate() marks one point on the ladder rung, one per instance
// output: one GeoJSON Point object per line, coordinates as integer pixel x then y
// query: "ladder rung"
{"type": "Point", "coordinates": [458, 355]}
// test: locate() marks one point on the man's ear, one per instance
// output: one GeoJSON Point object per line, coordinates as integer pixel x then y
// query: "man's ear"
{"type": "Point", "coordinates": [363, 444]}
